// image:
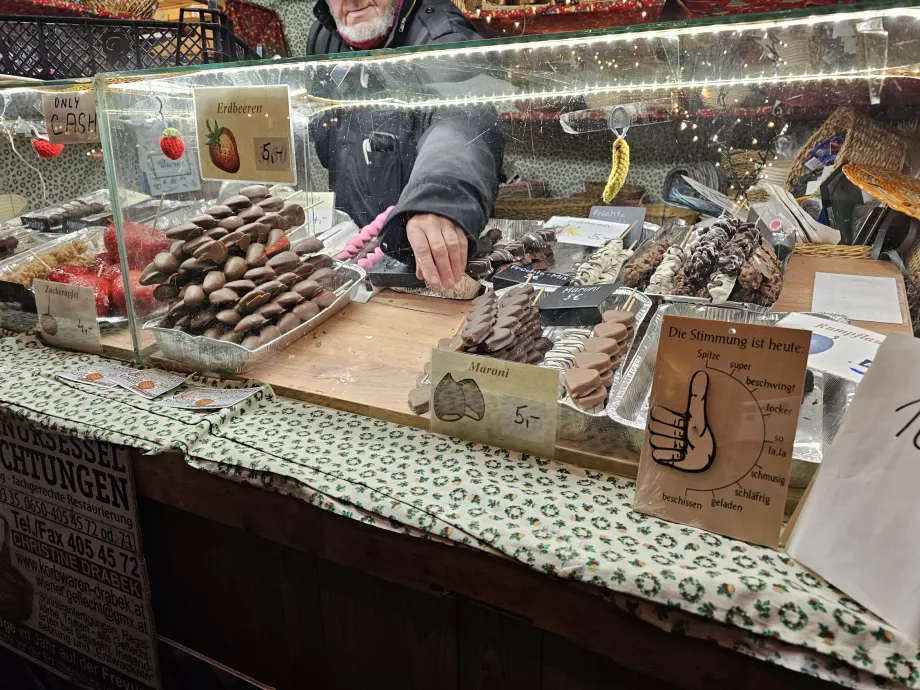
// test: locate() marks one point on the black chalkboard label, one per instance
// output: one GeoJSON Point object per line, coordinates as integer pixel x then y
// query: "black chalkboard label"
{"type": "Point", "coordinates": [514, 275]}
{"type": "Point", "coordinates": [577, 297]}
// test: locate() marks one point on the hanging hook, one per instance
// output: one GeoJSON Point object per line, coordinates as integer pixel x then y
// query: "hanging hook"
{"type": "Point", "coordinates": [619, 121]}
{"type": "Point", "coordinates": [160, 101]}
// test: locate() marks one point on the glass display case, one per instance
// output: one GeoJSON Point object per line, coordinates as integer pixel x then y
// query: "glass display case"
{"type": "Point", "coordinates": [519, 129]}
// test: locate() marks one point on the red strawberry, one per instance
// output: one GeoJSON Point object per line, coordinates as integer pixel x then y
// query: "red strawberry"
{"type": "Point", "coordinates": [171, 144]}
{"type": "Point", "coordinates": [101, 288]}
{"type": "Point", "coordinates": [101, 262]}
{"type": "Point", "coordinates": [141, 242]}
{"type": "Point", "coordinates": [222, 148]}
{"type": "Point", "coordinates": [45, 149]}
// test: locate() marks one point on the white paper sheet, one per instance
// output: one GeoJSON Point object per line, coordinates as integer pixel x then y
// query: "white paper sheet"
{"type": "Point", "coordinates": [862, 298]}
{"type": "Point", "coordinates": [837, 348]}
{"type": "Point", "coordinates": [860, 527]}
{"type": "Point", "coordinates": [584, 231]}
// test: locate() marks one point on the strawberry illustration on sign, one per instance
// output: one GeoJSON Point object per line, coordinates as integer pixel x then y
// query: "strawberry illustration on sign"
{"type": "Point", "coordinates": [222, 148]}
{"type": "Point", "coordinates": [44, 148]}
{"type": "Point", "coordinates": [171, 144]}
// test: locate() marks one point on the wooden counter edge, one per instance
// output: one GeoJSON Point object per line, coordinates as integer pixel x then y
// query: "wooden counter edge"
{"type": "Point", "coordinates": [564, 608]}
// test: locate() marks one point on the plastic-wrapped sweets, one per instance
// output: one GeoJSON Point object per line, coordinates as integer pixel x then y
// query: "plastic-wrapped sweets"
{"type": "Point", "coordinates": [604, 264]}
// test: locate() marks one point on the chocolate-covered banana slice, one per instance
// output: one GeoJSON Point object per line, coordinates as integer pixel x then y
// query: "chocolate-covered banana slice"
{"type": "Point", "coordinates": [260, 275]}
{"type": "Point", "coordinates": [217, 233]}
{"type": "Point", "coordinates": [204, 221]}
{"type": "Point", "coordinates": [290, 321]}
{"type": "Point", "coordinates": [275, 221]}
{"type": "Point", "coordinates": [305, 311]}
{"type": "Point", "coordinates": [238, 202]}
{"type": "Point", "coordinates": [323, 276]}
{"type": "Point", "coordinates": [235, 267]}
{"type": "Point", "coordinates": [241, 286]}
{"type": "Point", "coordinates": [232, 337]}
{"type": "Point", "coordinates": [229, 317]}
{"type": "Point", "coordinates": [289, 279]}
{"type": "Point", "coordinates": [294, 214]}
{"type": "Point", "coordinates": [212, 332]}
{"type": "Point", "coordinates": [214, 280]}
{"type": "Point", "coordinates": [247, 323]}
{"type": "Point", "coordinates": [194, 295]}
{"type": "Point", "coordinates": [220, 211]}
{"type": "Point", "coordinates": [166, 262]}
{"type": "Point", "coordinates": [311, 245]}
{"type": "Point", "coordinates": [257, 231]}
{"type": "Point", "coordinates": [325, 299]}
{"type": "Point", "coordinates": [186, 231]}
{"type": "Point", "coordinates": [283, 262]}
{"type": "Point", "coordinates": [251, 342]}
{"type": "Point", "coordinates": [176, 249]}
{"type": "Point", "coordinates": [252, 300]}
{"type": "Point", "coordinates": [202, 318]}
{"type": "Point", "coordinates": [268, 334]}
{"type": "Point", "coordinates": [215, 252]}
{"type": "Point", "coordinates": [151, 276]}
{"type": "Point", "coordinates": [251, 214]}
{"type": "Point", "coordinates": [255, 255]}
{"type": "Point", "coordinates": [189, 246]}
{"type": "Point", "coordinates": [166, 292]}
{"type": "Point", "coordinates": [255, 192]}
{"type": "Point", "coordinates": [272, 287]}
{"type": "Point", "coordinates": [232, 223]}
{"type": "Point", "coordinates": [307, 289]}
{"type": "Point", "coordinates": [270, 311]}
{"type": "Point", "coordinates": [223, 297]}
{"type": "Point", "coordinates": [271, 204]}
{"type": "Point", "coordinates": [288, 299]}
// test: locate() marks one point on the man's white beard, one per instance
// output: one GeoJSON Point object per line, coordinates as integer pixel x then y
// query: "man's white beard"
{"type": "Point", "coordinates": [374, 30]}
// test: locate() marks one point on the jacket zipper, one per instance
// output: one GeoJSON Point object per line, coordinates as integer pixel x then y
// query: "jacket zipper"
{"type": "Point", "coordinates": [402, 24]}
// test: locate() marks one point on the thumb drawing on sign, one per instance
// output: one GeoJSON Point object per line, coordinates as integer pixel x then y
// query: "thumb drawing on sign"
{"type": "Point", "coordinates": [684, 440]}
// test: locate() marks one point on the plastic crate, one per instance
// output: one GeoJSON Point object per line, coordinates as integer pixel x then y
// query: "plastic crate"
{"type": "Point", "coordinates": [73, 47]}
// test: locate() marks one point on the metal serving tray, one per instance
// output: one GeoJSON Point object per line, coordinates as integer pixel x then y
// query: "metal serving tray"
{"type": "Point", "coordinates": [640, 307]}
{"type": "Point", "coordinates": [209, 355]}
{"type": "Point", "coordinates": [629, 406]}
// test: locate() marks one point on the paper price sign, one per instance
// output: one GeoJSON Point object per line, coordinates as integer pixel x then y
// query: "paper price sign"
{"type": "Point", "coordinates": [67, 316]}
{"type": "Point", "coordinates": [492, 401]}
{"type": "Point", "coordinates": [722, 419]}
{"type": "Point", "coordinates": [245, 133]}
{"type": "Point", "coordinates": [70, 117]}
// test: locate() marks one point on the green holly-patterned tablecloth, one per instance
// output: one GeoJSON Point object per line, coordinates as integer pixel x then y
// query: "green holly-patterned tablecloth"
{"type": "Point", "coordinates": [561, 520]}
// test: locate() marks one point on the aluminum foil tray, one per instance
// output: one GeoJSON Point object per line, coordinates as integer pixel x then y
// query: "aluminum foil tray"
{"type": "Point", "coordinates": [641, 307]}
{"type": "Point", "coordinates": [209, 355]}
{"type": "Point", "coordinates": [630, 403]}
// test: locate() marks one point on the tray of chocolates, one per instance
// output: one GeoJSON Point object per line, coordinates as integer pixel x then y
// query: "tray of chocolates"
{"type": "Point", "coordinates": [727, 262]}
{"type": "Point", "coordinates": [591, 360]}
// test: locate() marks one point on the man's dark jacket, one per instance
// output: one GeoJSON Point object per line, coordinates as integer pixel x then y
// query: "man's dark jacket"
{"type": "Point", "coordinates": [440, 160]}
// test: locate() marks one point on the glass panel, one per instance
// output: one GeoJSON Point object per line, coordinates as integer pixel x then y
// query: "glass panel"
{"type": "Point", "coordinates": [727, 102]}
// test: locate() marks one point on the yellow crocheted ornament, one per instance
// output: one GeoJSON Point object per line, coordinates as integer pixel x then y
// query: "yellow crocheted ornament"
{"type": "Point", "coordinates": [618, 169]}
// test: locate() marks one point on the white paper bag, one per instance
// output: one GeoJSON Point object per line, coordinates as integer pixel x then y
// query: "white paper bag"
{"type": "Point", "coordinates": [860, 527]}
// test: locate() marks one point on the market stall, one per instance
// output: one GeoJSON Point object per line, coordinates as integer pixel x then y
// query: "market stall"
{"type": "Point", "coordinates": [599, 427]}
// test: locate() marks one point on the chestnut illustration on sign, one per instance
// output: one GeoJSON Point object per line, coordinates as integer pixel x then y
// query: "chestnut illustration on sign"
{"type": "Point", "coordinates": [452, 401]}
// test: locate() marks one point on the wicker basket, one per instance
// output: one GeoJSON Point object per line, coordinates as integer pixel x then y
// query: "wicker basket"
{"type": "Point", "coordinates": [866, 142]}
{"type": "Point", "coordinates": [659, 213]}
{"type": "Point", "coordinates": [542, 208]}
{"type": "Point", "coordinates": [912, 260]}
{"type": "Point", "coordinates": [834, 251]}
{"type": "Point", "coordinates": [629, 192]}
{"type": "Point", "coordinates": [142, 9]}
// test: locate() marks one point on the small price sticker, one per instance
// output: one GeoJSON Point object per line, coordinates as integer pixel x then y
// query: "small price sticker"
{"type": "Point", "coordinates": [272, 154]}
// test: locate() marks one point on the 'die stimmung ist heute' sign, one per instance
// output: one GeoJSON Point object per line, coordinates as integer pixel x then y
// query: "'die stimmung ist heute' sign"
{"type": "Point", "coordinates": [73, 584]}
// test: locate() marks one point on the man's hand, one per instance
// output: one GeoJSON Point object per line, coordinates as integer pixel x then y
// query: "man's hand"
{"type": "Point", "coordinates": [440, 249]}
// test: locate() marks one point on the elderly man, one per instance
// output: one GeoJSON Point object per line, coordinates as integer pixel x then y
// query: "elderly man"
{"type": "Point", "coordinates": [438, 167]}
